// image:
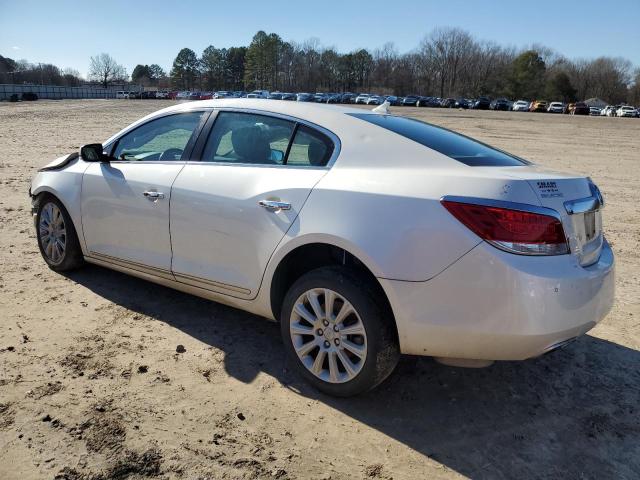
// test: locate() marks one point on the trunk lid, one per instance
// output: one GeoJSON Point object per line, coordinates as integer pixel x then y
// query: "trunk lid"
{"type": "Point", "coordinates": [575, 198]}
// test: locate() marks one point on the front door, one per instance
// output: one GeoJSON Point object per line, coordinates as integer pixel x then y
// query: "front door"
{"type": "Point", "coordinates": [125, 203]}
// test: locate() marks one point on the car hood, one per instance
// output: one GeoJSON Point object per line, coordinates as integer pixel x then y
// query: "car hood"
{"type": "Point", "coordinates": [60, 162]}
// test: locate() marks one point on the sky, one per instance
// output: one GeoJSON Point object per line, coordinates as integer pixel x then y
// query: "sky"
{"type": "Point", "coordinates": [67, 33]}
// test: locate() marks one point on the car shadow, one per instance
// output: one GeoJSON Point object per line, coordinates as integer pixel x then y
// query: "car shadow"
{"type": "Point", "coordinates": [574, 413]}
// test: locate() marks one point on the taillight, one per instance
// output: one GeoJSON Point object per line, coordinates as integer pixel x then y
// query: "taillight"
{"type": "Point", "coordinates": [516, 231]}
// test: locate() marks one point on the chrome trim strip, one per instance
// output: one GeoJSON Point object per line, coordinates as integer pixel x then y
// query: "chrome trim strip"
{"type": "Point", "coordinates": [557, 346]}
{"type": "Point", "coordinates": [140, 267]}
{"type": "Point", "coordinates": [588, 204]}
{"type": "Point", "coordinates": [550, 252]}
{"type": "Point", "coordinates": [488, 202]}
{"type": "Point", "coordinates": [582, 205]}
{"type": "Point", "coordinates": [147, 162]}
{"type": "Point", "coordinates": [202, 283]}
{"type": "Point", "coordinates": [233, 301]}
{"type": "Point", "coordinates": [207, 284]}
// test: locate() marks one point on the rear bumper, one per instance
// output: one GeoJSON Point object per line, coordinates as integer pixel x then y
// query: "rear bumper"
{"type": "Point", "coordinates": [493, 305]}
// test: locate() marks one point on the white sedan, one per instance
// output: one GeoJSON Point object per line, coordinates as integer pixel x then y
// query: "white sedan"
{"type": "Point", "coordinates": [366, 235]}
{"type": "Point", "coordinates": [520, 106]}
{"type": "Point", "coordinates": [556, 107]}
{"type": "Point", "coordinates": [626, 111]}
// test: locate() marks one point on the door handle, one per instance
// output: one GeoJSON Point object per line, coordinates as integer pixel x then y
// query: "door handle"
{"type": "Point", "coordinates": [274, 205]}
{"type": "Point", "coordinates": [151, 195]}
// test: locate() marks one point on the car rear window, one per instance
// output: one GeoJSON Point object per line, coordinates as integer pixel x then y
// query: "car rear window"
{"type": "Point", "coordinates": [456, 146]}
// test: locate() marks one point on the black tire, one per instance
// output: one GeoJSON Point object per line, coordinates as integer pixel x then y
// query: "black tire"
{"type": "Point", "coordinates": [383, 351]}
{"type": "Point", "coordinates": [72, 257]}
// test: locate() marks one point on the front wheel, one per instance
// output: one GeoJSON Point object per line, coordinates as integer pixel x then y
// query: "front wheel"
{"type": "Point", "coordinates": [57, 238]}
{"type": "Point", "coordinates": [337, 332]}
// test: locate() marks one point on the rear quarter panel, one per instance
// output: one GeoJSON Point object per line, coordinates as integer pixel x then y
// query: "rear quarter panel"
{"type": "Point", "coordinates": [380, 201]}
{"type": "Point", "coordinates": [392, 220]}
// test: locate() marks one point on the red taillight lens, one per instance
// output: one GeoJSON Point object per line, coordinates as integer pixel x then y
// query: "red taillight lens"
{"type": "Point", "coordinates": [514, 230]}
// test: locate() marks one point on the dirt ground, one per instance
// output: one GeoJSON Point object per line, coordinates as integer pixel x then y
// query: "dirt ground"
{"type": "Point", "coordinates": [91, 385]}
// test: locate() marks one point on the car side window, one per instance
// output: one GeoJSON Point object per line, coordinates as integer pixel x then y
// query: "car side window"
{"type": "Point", "coordinates": [162, 139]}
{"type": "Point", "coordinates": [309, 148]}
{"type": "Point", "coordinates": [238, 137]}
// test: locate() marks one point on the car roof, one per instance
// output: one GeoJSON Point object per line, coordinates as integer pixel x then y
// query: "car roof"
{"type": "Point", "coordinates": [331, 117]}
{"type": "Point", "coordinates": [365, 142]}
{"type": "Point", "coordinates": [320, 113]}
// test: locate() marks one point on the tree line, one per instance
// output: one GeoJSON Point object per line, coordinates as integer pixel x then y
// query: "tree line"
{"type": "Point", "coordinates": [21, 71]}
{"type": "Point", "coordinates": [449, 62]}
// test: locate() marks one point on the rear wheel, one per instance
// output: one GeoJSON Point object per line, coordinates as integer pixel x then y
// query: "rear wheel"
{"type": "Point", "coordinates": [337, 333]}
{"type": "Point", "coordinates": [57, 238]}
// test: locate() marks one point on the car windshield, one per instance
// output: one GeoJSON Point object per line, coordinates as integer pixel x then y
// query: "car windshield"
{"type": "Point", "coordinates": [456, 146]}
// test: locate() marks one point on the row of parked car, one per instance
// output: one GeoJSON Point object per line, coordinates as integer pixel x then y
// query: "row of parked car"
{"type": "Point", "coordinates": [138, 94]}
{"type": "Point", "coordinates": [577, 108]}
{"type": "Point", "coordinates": [480, 103]}
{"type": "Point", "coordinates": [618, 111]}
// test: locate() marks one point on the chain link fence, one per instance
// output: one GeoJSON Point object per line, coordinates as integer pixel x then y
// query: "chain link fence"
{"type": "Point", "coordinates": [56, 92]}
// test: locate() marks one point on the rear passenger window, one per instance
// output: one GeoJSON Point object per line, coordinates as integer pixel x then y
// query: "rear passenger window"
{"type": "Point", "coordinates": [309, 148]}
{"type": "Point", "coordinates": [248, 138]}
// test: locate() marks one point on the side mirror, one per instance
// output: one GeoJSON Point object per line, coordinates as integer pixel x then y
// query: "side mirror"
{"type": "Point", "coordinates": [93, 153]}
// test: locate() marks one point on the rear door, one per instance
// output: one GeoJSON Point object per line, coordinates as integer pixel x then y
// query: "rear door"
{"type": "Point", "coordinates": [125, 203]}
{"type": "Point", "coordinates": [231, 209]}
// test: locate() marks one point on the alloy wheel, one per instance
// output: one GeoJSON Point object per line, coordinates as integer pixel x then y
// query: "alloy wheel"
{"type": "Point", "coordinates": [52, 232]}
{"type": "Point", "coordinates": [328, 335]}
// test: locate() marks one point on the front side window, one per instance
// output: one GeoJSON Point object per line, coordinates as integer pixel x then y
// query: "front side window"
{"type": "Point", "coordinates": [248, 138]}
{"type": "Point", "coordinates": [162, 139]}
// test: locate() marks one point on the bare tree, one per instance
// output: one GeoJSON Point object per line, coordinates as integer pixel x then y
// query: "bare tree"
{"type": "Point", "coordinates": [604, 77]}
{"type": "Point", "coordinates": [448, 49]}
{"type": "Point", "coordinates": [634, 89]}
{"type": "Point", "coordinates": [106, 70]}
{"type": "Point", "coordinates": [385, 62]}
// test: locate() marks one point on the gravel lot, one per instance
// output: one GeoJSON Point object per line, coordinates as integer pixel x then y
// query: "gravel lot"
{"type": "Point", "coordinates": [91, 385]}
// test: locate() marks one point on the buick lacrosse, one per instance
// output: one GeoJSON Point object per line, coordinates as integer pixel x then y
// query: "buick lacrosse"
{"type": "Point", "coordinates": [365, 234]}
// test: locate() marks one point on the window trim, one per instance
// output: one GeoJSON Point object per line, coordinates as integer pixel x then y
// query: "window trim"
{"type": "Point", "coordinates": [206, 131]}
{"type": "Point", "coordinates": [285, 160]}
{"type": "Point", "coordinates": [293, 137]}
{"type": "Point", "coordinates": [188, 149]}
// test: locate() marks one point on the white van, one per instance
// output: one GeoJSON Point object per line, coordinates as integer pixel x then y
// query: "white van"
{"type": "Point", "coordinates": [122, 94]}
